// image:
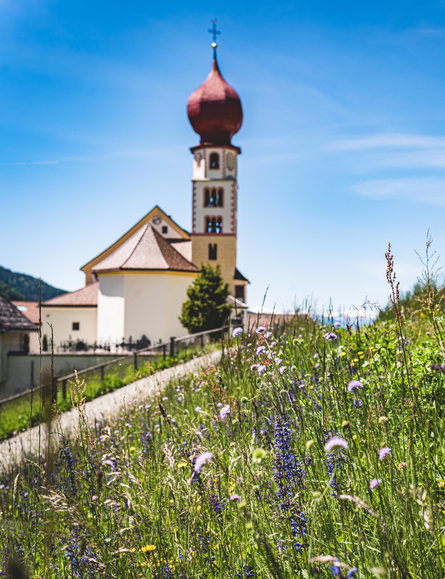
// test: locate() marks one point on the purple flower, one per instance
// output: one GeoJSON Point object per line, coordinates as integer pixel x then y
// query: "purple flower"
{"type": "Point", "coordinates": [253, 367]}
{"type": "Point", "coordinates": [236, 332]}
{"type": "Point", "coordinates": [224, 412]}
{"type": "Point", "coordinates": [354, 385]}
{"type": "Point", "coordinates": [198, 409]}
{"type": "Point", "coordinates": [259, 350]}
{"type": "Point", "coordinates": [268, 335]}
{"type": "Point", "coordinates": [374, 483]}
{"type": "Point", "coordinates": [335, 569]}
{"type": "Point", "coordinates": [282, 369]}
{"type": "Point", "coordinates": [235, 497]}
{"type": "Point", "coordinates": [335, 443]}
{"type": "Point", "coordinates": [260, 329]}
{"type": "Point", "coordinates": [202, 460]}
{"type": "Point", "coordinates": [330, 336]}
{"type": "Point", "coordinates": [261, 369]}
{"type": "Point", "coordinates": [352, 572]}
{"type": "Point", "coordinates": [383, 452]}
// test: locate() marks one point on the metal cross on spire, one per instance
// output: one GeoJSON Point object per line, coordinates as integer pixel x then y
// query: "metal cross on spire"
{"type": "Point", "coordinates": [215, 33]}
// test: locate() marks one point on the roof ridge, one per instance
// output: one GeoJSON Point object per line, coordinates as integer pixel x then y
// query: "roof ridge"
{"type": "Point", "coordinates": [170, 247]}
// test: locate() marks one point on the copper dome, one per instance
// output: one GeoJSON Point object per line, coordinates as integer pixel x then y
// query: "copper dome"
{"type": "Point", "coordinates": [214, 109]}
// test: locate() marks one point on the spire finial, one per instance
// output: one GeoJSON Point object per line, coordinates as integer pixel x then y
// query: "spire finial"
{"type": "Point", "coordinates": [214, 33]}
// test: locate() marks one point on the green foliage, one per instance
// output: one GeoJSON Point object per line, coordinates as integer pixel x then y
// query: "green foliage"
{"type": "Point", "coordinates": [20, 286]}
{"type": "Point", "coordinates": [206, 306]}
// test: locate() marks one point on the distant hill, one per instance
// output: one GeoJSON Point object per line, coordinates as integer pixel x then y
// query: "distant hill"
{"type": "Point", "coordinates": [19, 286]}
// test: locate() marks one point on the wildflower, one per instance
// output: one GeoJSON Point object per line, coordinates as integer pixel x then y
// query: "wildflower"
{"type": "Point", "coordinates": [261, 369]}
{"type": "Point", "coordinates": [236, 332]}
{"type": "Point", "coordinates": [354, 385]}
{"type": "Point", "coordinates": [401, 465]}
{"type": "Point", "coordinates": [260, 350]}
{"type": "Point", "coordinates": [335, 569]}
{"type": "Point", "coordinates": [202, 460]}
{"type": "Point", "coordinates": [224, 412]}
{"type": "Point", "coordinates": [383, 452]}
{"type": "Point", "coordinates": [258, 454]}
{"type": "Point", "coordinates": [235, 497]}
{"type": "Point", "coordinates": [198, 409]}
{"type": "Point", "coordinates": [260, 329]}
{"type": "Point", "coordinates": [282, 369]}
{"type": "Point", "coordinates": [253, 367]}
{"type": "Point", "coordinates": [352, 572]}
{"type": "Point", "coordinates": [329, 336]}
{"type": "Point", "coordinates": [374, 483]}
{"type": "Point", "coordinates": [309, 443]}
{"type": "Point", "coordinates": [383, 419]}
{"type": "Point", "coordinates": [268, 335]}
{"type": "Point", "coordinates": [335, 443]}
{"type": "Point", "coordinates": [148, 548]}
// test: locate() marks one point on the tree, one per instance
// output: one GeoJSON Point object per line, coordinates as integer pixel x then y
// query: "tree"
{"type": "Point", "coordinates": [206, 307]}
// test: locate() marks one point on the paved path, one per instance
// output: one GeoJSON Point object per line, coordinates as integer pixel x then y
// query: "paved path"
{"type": "Point", "coordinates": [105, 407]}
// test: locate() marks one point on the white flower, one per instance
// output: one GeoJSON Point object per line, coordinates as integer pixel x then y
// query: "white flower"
{"type": "Point", "coordinates": [224, 412]}
{"type": "Point", "coordinates": [335, 443]}
{"type": "Point", "coordinates": [202, 460]}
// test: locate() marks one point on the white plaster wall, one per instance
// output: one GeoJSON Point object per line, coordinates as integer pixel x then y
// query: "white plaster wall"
{"type": "Point", "coordinates": [62, 318]}
{"type": "Point", "coordinates": [110, 309]}
{"type": "Point", "coordinates": [153, 303]}
{"type": "Point", "coordinates": [158, 223]}
{"type": "Point", "coordinates": [201, 164]}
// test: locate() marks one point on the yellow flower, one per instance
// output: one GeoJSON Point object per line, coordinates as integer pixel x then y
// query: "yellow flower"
{"type": "Point", "coordinates": [148, 548]}
{"type": "Point", "coordinates": [182, 464]}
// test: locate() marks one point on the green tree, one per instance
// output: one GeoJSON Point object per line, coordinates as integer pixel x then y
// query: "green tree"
{"type": "Point", "coordinates": [206, 305]}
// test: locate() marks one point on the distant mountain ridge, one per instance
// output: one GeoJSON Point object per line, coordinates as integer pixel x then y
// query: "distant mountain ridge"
{"type": "Point", "coordinates": [20, 286]}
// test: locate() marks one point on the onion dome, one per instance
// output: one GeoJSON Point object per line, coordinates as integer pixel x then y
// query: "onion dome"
{"type": "Point", "coordinates": [214, 109]}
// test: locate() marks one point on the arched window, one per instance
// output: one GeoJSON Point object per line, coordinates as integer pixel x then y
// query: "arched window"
{"type": "Point", "coordinates": [213, 225]}
{"type": "Point", "coordinates": [214, 161]}
{"type": "Point", "coordinates": [213, 197]}
{"type": "Point", "coordinates": [213, 251]}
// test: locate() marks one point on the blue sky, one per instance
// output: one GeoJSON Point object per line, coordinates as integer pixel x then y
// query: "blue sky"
{"type": "Point", "coordinates": [343, 137]}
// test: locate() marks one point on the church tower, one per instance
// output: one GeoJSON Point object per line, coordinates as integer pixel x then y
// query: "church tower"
{"type": "Point", "coordinates": [215, 113]}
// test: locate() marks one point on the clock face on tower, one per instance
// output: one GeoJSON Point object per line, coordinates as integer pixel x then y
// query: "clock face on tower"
{"type": "Point", "coordinates": [157, 220]}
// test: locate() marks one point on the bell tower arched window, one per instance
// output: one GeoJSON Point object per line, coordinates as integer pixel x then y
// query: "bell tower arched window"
{"type": "Point", "coordinates": [213, 197]}
{"type": "Point", "coordinates": [214, 161]}
{"type": "Point", "coordinates": [213, 225]}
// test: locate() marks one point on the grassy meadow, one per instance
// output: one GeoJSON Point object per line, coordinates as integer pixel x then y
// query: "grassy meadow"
{"type": "Point", "coordinates": [316, 451]}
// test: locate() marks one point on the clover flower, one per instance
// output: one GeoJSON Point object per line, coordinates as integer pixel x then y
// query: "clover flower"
{"type": "Point", "coordinates": [224, 412]}
{"type": "Point", "coordinates": [383, 452]}
{"type": "Point", "coordinates": [236, 332]}
{"type": "Point", "coordinates": [374, 483]}
{"type": "Point", "coordinates": [335, 443]}
{"type": "Point", "coordinates": [354, 385]}
{"type": "Point", "coordinates": [202, 459]}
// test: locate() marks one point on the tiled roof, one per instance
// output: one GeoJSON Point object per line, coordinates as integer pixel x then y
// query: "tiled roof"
{"type": "Point", "coordinates": [85, 297]}
{"type": "Point", "coordinates": [146, 249]}
{"type": "Point", "coordinates": [29, 309]}
{"type": "Point", "coordinates": [11, 320]}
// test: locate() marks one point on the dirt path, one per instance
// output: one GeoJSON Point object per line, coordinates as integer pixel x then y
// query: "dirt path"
{"type": "Point", "coordinates": [107, 406]}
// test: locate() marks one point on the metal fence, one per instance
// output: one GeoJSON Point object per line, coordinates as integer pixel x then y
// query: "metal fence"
{"type": "Point", "coordinates": [128, 364]}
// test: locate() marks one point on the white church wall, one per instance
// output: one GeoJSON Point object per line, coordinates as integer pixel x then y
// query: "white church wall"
{"type": "Point", "coordinates": [164, 228]}
{"type": "Point", "coordinates": [110, 309]}
{"type": "Point", "coordinates": [64, 320]}
{"type": "Point", "coordinates": [153, 303]}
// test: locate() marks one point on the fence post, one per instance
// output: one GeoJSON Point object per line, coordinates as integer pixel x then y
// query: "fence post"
{"type": "Point", "coordinates": [32, 374]}
{"type": "Point", "coordinates": [202, 340]}
{"type": "Point", "coordinates": [54, 390]}
{"type": "Point", "coordinates": [102, 373]}
{"type": "Point", "coordinates": [135, 360]}
{"type": "Point", "coordinates": [172, 346]}
{"type": "Point", "coordinates": [64, 389]}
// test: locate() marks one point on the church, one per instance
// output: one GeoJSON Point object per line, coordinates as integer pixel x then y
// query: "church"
{"type": "Point", "coordinates": [136, 287]}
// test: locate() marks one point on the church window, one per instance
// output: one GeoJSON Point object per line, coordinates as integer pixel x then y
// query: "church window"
{"type": "Point", "coordinates": [230, 162]}
{"type": "Point", "coordinates": [213, 197]}
{"type": "Point", "coordinates": [213, 225]}
{"type": "Point", "coordinates": [76, 326]}
{"type": "Point", "coordinates": [239, 292]}
{"type": "Point", "coordinates": [164, 229]}
{"type": "Point", "coordinates": [214, 161]}
{"type": "Point", "coordinates": [213, 251]}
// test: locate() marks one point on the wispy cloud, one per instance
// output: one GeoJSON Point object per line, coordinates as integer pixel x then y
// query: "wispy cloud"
{"type": "Point", "coordinates": [421, 189]}
{"type": "Point", "coordinates": [387, 140]}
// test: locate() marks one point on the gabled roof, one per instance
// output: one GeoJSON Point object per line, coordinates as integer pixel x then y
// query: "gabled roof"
{"type": "Point", "coordinates": [11, 320]}
{"type": "Point", "coordinates": [146, 249]}
{"type": "Point", "coordinates": [239, 276]}
{"type": "Point", "coordinates": [146, 219]}
{"type": "Point", "coordinates": [85, 297]}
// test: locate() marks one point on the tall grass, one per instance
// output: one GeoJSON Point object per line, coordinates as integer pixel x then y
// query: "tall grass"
{"type": "Point", "coordinates": [317, 452]}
